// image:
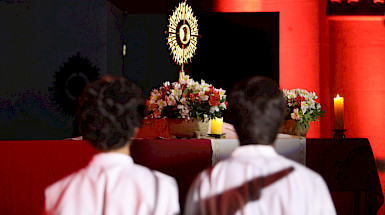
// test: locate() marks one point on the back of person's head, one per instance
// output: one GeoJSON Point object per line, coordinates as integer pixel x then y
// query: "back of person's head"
{"type": "Point", "coordinates": [257, 108]}
{"type": "Point", "coordinates": [109, 111]}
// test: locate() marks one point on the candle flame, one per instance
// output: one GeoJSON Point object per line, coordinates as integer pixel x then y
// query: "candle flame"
{"type": "Point", "coordinates": [338, 95]}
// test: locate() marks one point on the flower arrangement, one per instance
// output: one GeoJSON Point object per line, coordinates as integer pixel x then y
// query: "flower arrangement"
{"type": "Point", "coordinates": [301, 106]}
{"type": "Point", "coordinates": [187, 99]}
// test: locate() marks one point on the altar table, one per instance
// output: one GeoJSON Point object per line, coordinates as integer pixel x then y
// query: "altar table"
{"type": "Point", "coordinates": [27, 167]}
{"type": "Point", "coordinates": [292, 147]}
{"type": "Point", "coordinates": [185, 158]}
{"type": "Point", "coordinates": [349, 169]}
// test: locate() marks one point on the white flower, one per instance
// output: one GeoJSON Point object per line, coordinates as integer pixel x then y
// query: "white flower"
{"type": "Point", "coordinates": [304, 107]}
{"type": "Point", "coordinates": [204, 85]}
{"type": "Point", "coordinates": [222, 93]}
{"type": "Point", "coordinates": [311, 104]}
{"type": "Point", "coordinates": [183, 101]}
{"type": "Point", "coordinates": [161, 104]}
{"type": "Point", "coordinates": [291, 94]}
{"type": "Point", "coordinates": [314, 95]}
{"type": "Point", "coordinates": [184, 112]}
{"type": "Point", "coordinates": [176, 86]}
{"type": "Point", "coordinates": [302, 92]}
{"type": "Point", "coordinates": [214, 109]}
{"type": "Point", "coordinates": [203, 96]}
{"type": "Point", "coordinates": [166, 84]}
{"type": "Point", "coordinates": [186, 80]}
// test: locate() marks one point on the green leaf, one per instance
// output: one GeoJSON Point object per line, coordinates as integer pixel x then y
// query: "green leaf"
{"type": "Point", "coordinates": [185, 92]}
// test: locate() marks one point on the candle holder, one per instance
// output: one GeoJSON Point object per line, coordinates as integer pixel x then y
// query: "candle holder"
{"type": "Point", "coordinates": [217, 136]}
{"type": "Point", "coordinates": [339, 133]}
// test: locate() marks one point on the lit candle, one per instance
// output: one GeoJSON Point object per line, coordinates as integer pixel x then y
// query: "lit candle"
{"type": "Point", "coordinates": [339, 112]}
{"type": "Point", "coordinates": [216, 125]}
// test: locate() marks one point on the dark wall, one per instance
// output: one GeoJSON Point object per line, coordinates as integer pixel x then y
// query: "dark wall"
{"type": "Point", "coordinates": [236, 46]}
{"type": "Point", "coordinates": [36, 38]}
{"type": "Point", "coordinates": [148, 61]}
{"type": "Point", "coordinates": [232, 47]}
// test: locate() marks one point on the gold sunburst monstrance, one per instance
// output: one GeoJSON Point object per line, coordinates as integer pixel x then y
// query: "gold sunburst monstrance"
{"type": "Point", "coordinates": [182, 34]}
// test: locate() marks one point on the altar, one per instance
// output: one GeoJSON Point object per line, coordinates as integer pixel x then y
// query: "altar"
{"type": "Point", "coordinates": [292, 147]}
{"type": "Point", "coordinates": [28, 167]}
{"type": "Point", "coordinates": [347, 165]}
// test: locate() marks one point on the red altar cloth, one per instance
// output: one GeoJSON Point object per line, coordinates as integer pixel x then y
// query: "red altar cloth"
{"type": "Point", "coordinates": [28, 167]}
{"type": "Point", "coordinates": [183, 159]}
{"type": "Point", "coordinates": [349, 169]}
{"type": "Point", "coordinates": [154, 128]}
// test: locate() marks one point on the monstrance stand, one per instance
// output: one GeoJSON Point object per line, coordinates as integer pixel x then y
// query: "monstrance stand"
{"type": "Point", "coordinates": [183, 35]}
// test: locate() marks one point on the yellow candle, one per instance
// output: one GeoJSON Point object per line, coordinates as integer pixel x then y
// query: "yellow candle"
{"type": "Point", "coordinates": [216, 125]}
{"type": "Point", "coordinates": [339, 112]}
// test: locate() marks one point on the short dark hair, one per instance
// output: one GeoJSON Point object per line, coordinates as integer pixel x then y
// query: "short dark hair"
{"type": "Point", "coordinates": [109, 110]}
{"type": "Point", "coordinates": [256, 107]}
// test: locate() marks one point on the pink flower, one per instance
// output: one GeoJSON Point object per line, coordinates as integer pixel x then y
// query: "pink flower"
{"type": "Point", "coordinates": [171, 100]}
{"type": "Point", "coordinates": [295, 114]}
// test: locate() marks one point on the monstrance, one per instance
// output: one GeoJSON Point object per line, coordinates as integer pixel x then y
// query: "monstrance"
{"type": "Point", "coordinates": [182, 35]}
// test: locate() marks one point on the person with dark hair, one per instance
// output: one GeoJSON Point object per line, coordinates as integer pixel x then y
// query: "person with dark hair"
{"type": "Point", "coordinates": [110, 113]}
{"type": "Point", "coordinates": [255, 179]}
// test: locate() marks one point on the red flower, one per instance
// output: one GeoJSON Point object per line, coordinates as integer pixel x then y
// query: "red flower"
{"type": "Point", "coordinates": [214, 103]}
{"type": "Point", "coordinates": [184, 86]}
{"type": "Point", "coordinates": [153, 106]}
{"type": "Point", "coordinates": [299, 99]}
{"type": "Point", "coordinates": [192, 96]}
{"type": "Point", "coordinates": [215, 100]}
{"type": "Point", "coordinates": [167, 88]}
{"type": "Point", "coordinates": [211, 90]}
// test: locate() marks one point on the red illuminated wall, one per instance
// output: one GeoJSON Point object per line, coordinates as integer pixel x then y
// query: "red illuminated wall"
{"type": "Point", "coordinates": [352, 64]}
{"type": "Point", "coordinates": [298, 44]}
{"type": "Point", "coordinates": [357, 71]}
{"type": "Point", "coordinates": [330, 55]}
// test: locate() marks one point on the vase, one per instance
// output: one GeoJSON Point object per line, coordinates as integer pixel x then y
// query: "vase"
{"type": "Point", "coordinates": [294, 127]}
{"type": "Point", "coordinates": [192, 128]}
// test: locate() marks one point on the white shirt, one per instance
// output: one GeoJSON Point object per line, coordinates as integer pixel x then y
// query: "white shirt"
{"type": "Point", "coordinates": [300, 192]}
{"type": "Point", "coordinates": [113, 184]}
